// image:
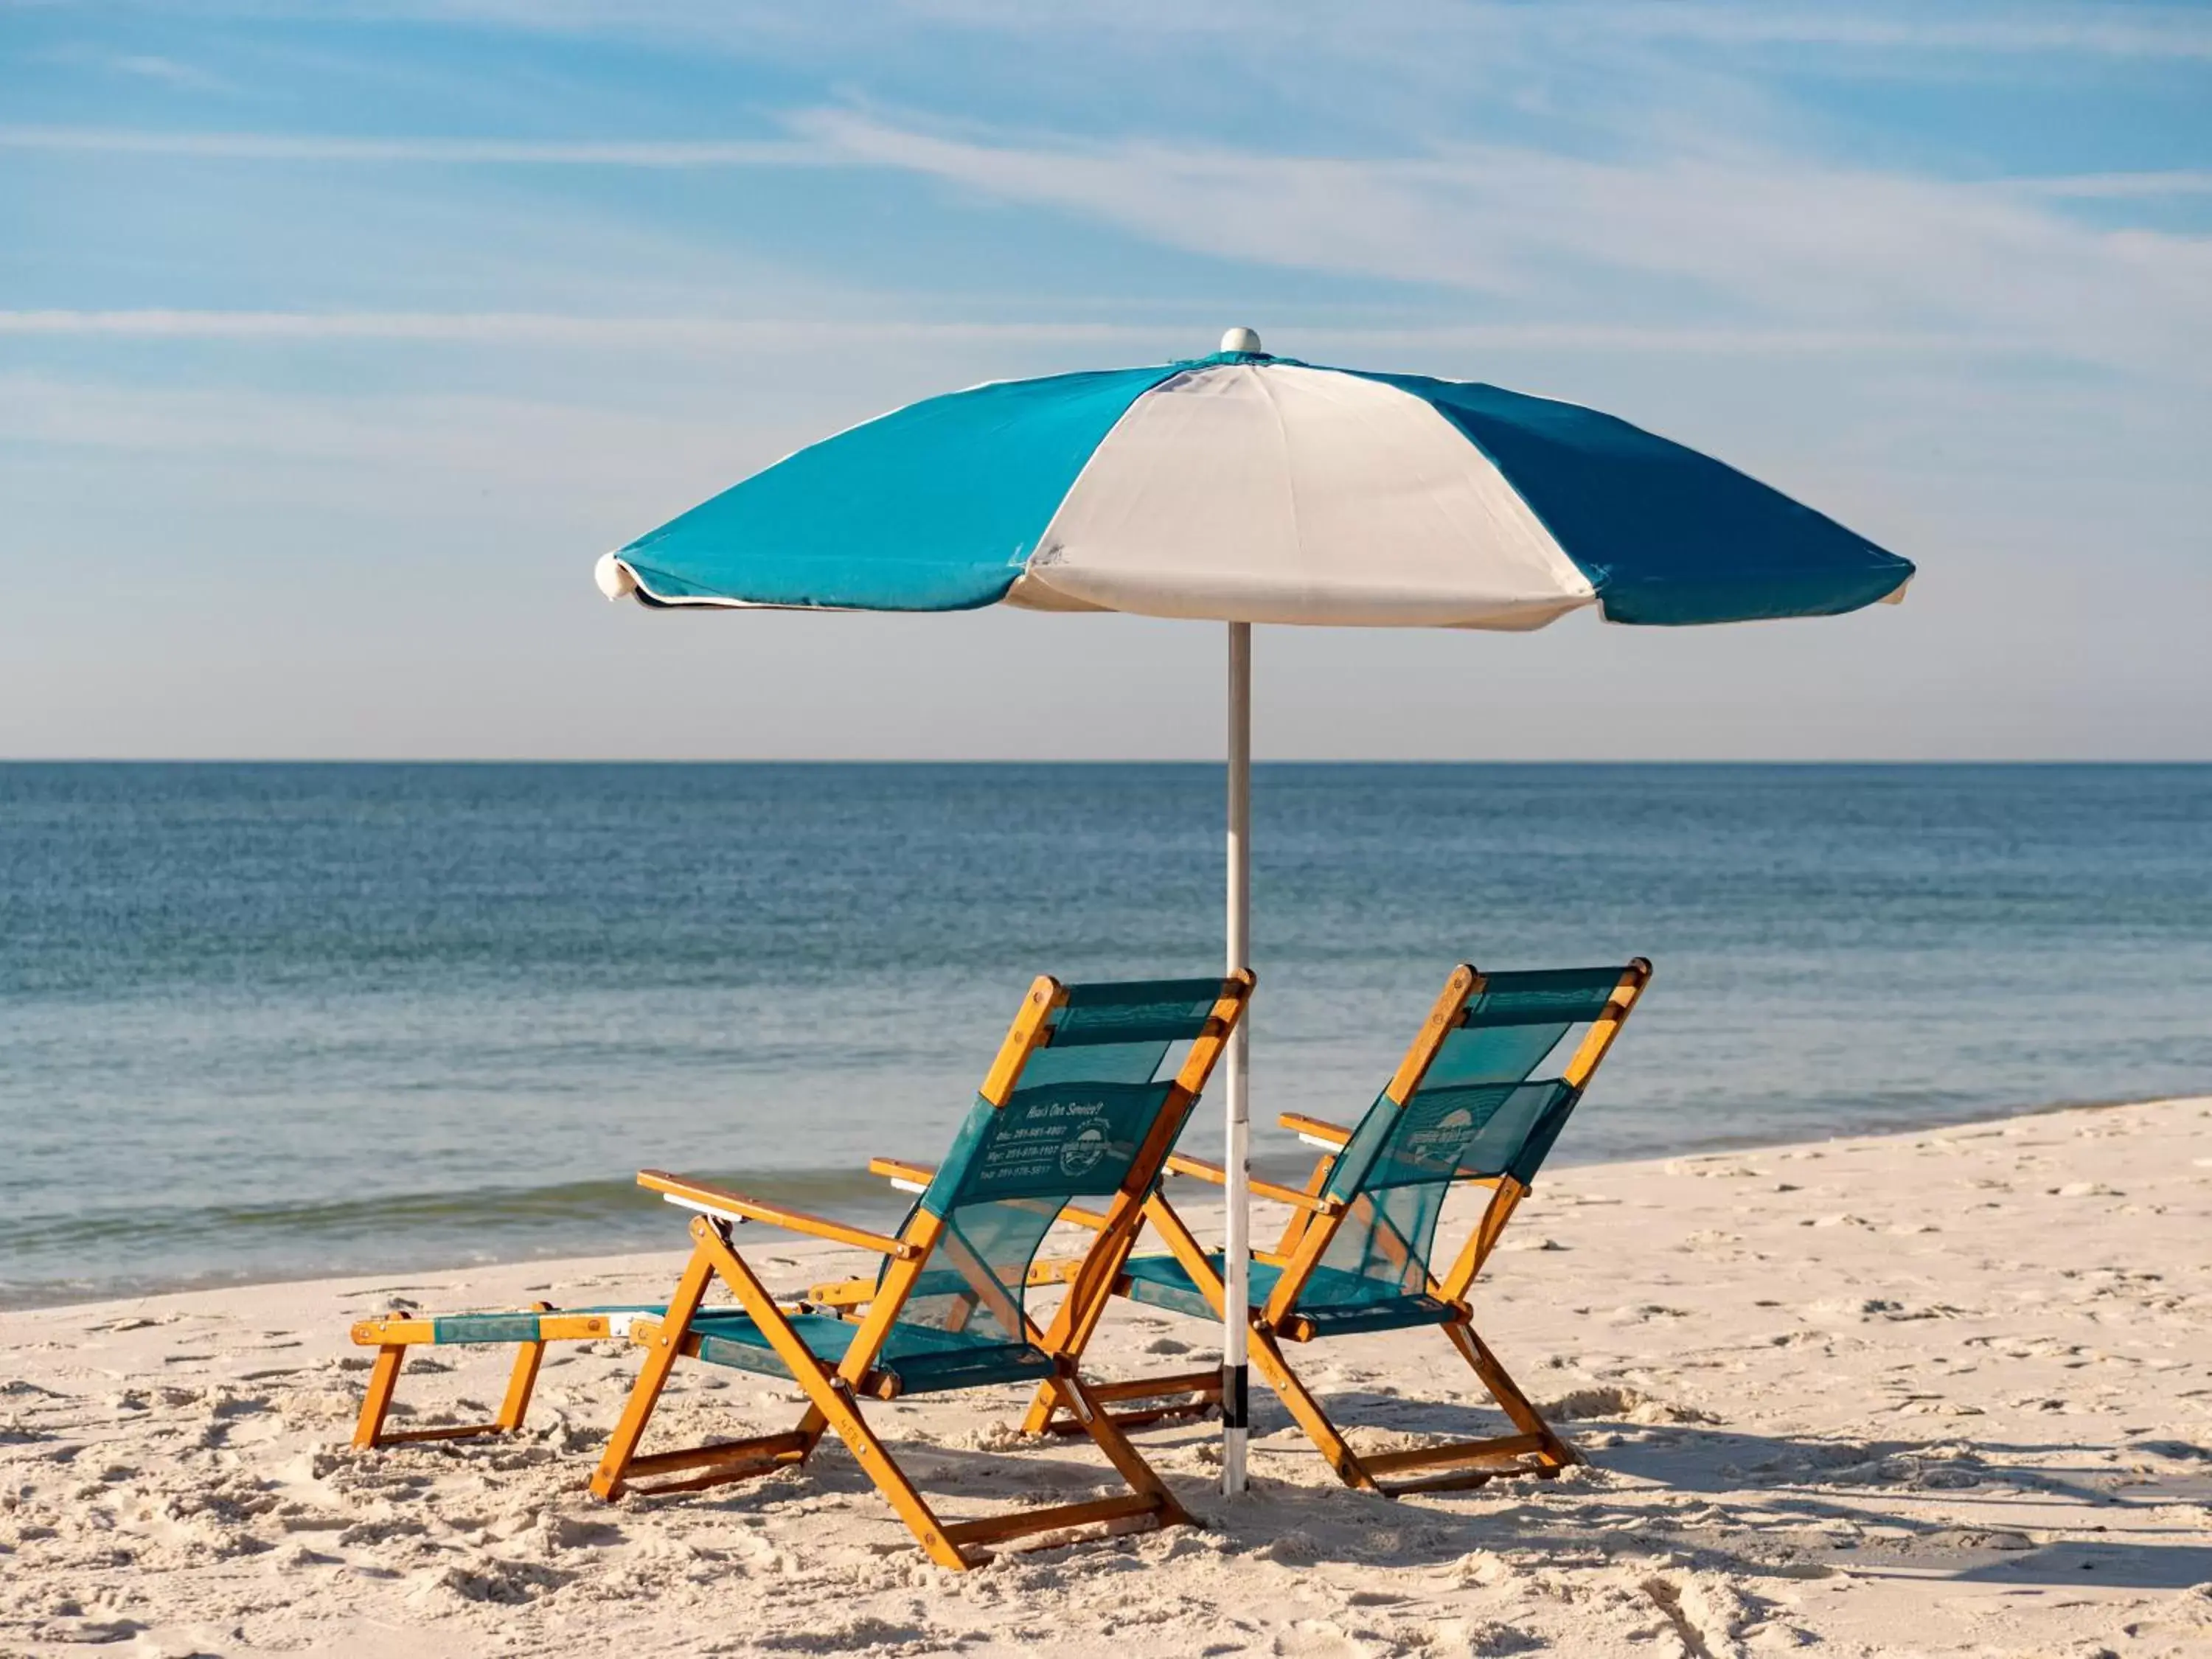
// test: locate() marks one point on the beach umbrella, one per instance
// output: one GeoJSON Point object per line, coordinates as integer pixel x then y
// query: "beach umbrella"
{"type": "Point", "coordinates": [1242, 488]}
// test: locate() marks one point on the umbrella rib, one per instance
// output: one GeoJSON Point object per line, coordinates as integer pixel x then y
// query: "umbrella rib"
{"type": "Point", "coordinates": [1290, 472]}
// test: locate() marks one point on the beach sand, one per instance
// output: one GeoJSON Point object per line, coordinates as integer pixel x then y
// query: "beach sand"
{"type": "Point", "coordinates": [1939, 1393]}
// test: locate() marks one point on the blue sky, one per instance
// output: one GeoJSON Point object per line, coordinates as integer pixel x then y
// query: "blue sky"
{"type": "Point", "coordinates": [337, 340]}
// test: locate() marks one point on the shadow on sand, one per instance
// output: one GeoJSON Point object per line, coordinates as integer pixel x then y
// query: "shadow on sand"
{"type": "Point", "coordinates": [1772, 1507]}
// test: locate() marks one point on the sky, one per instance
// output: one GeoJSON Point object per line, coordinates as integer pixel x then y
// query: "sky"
{"type": "Point", "coordinates": [337, 339]}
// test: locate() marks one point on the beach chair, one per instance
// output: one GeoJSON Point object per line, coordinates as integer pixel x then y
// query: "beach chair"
{"type": "Point", "coordinates": [1466, 1107]}
{"type": "Point", "coordinates": [1075, 1107]}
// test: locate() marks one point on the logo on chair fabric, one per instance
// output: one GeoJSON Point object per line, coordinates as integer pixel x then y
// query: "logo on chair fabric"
{"type": "Point", "coordinates": [1439, 1144]}
{"type": "Point", "coordinates": [1080, 1153]}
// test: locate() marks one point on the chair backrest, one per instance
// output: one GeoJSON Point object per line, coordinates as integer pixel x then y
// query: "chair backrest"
{"type": "Point", "coordinates": [1086, 1101]}
{"type": "Point", "coordinates": [1467, 1104]}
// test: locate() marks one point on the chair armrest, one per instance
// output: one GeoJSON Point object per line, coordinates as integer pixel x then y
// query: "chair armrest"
{"type": "Point", "coordinates": [1316, 1132]}
{"type": "Point", "coordinates": [906, 1177]}
{"type": "Point", "coordinates": [736, 1207]}
{"type": "Point", "coordinates": [1182, 1165]}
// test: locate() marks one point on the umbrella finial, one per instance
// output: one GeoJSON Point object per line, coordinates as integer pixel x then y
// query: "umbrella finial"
{"type": "Point", "coordinates": [1241, 339]}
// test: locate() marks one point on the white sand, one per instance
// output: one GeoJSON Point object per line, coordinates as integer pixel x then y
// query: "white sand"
{"type": "Point", "coordinates": [1940, 1392]}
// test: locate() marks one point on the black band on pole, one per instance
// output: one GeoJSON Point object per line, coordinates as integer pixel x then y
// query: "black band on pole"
{"type": "Point", "coordinates": [1236, 1396]}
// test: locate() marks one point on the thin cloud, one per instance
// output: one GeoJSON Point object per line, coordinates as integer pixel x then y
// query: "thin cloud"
{"type": "Point", "coordinates": [168, 71]}
{"type": "Point", "coordinates": [2130, 31]}
{"type": "Point", "coordinates": [2115, 186]}
{"type": "Point", "coordinates": [534, 328]}
{"type": "Point", "coordinates": [307, 147]}
{"type": "Point", "coordinates": [812, 334]}
{"type": "Point", "coordinates": [1720, 239]}
{"type": "Point", "coordinates": [1770, 240]}
{"type": "Point", "coordinates": [2113, 30]}
{"type": "Point", "coordinates": [468, 432]}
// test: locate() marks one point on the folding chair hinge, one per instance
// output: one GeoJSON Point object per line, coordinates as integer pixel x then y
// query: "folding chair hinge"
{"type": "Point", "coordinates": [702, 1224]}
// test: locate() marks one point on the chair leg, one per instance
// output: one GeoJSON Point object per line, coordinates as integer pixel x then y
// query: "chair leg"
{"type": "Point", "coordinates": [1149, 1501]}
{"type": "Point", "coordinates": [832, 1404]}
{"type": "Point", "coordinates": [520, 1383]}
{"type": "Point", "coordinates": [829, 1396]}
{"type": "Point", "coordinates": [879, 1465]}
{"type": "Point", "coordinates": [653, 1377]}
{"type": "Point", "coordinates": [383, 1379]}
{"type": "Point", "coordinates": [1432, 1468]}
{"type": "Point", "coordinates": [1088, 1410]}
{"type": "Point", "coordinates": [828, 1408]}
{"type": "Point", "coordinates": [1072, 1329]}
{"type": "Point", "coordinates": [1069, 1335]}
{"type": "Point", "coordinates": [1308, 1412]}
{"type": "Point", "coordinates": [1556, 1454]}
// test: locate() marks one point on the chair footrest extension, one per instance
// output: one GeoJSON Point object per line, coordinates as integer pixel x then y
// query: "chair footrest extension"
{"type": "Point", "coordinates": [990, 1528]}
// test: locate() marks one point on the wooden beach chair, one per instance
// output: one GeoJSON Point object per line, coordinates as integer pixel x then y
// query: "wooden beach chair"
{"type": "Point", "coordinates": [1466, 1107]}
{"type": "Point", "coordinates": [1074, 1108]}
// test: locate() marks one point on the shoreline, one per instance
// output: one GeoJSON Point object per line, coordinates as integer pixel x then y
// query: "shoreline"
{"type": "Point", "coordinates": [1940, 1392]}
{"type": "Point", "coordinates": [767, 1180]}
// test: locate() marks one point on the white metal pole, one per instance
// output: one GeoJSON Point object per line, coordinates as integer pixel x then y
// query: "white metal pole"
{"type": "Point", "coordinates": [1236, 1234]}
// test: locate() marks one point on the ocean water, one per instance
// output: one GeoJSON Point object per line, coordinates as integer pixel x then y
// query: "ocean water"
{"type": "Point", "coordinates": [263, 1021]}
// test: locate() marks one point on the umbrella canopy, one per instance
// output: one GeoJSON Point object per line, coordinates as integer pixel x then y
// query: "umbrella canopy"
{"type": "Point", "coordinates": [1244, 488]}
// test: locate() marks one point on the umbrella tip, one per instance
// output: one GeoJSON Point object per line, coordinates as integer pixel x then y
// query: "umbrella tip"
{"type": "Point", "coordinates": [1241, 339]}
{"type": "Point", "coordinates": [613, 577]}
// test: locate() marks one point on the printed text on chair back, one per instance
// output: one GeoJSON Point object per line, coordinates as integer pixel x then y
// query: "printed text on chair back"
{"type": "Point", "coordinates": [1071, 1127]}
{"type": "Point", "coordinates": [1478, 1111]}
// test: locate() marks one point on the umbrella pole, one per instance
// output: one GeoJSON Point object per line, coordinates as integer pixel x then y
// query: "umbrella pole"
{"type": "Point", "coordinates": [1236, 1254]}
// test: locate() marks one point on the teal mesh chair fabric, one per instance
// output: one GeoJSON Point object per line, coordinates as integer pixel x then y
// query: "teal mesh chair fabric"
{"type": "Point", "coordinates": [1070, 1129]}
{"type": "Point", "coordinates": [1160, 1282]}
{"type": "Point", "coordinates": [1480, 1111]}
{"type": "Point", "coordinates": [1477, 1113]}
{"type": "Point", "coordinates": [920, 1360]}
{"type": "Point", "coordinates": [522, 1327]}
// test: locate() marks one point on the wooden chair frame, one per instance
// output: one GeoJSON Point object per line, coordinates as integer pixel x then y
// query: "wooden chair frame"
{"type": "Point", "coordinates": [834, 1392]}
{"type": "Point", "coordinates": [1536, 1448]}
